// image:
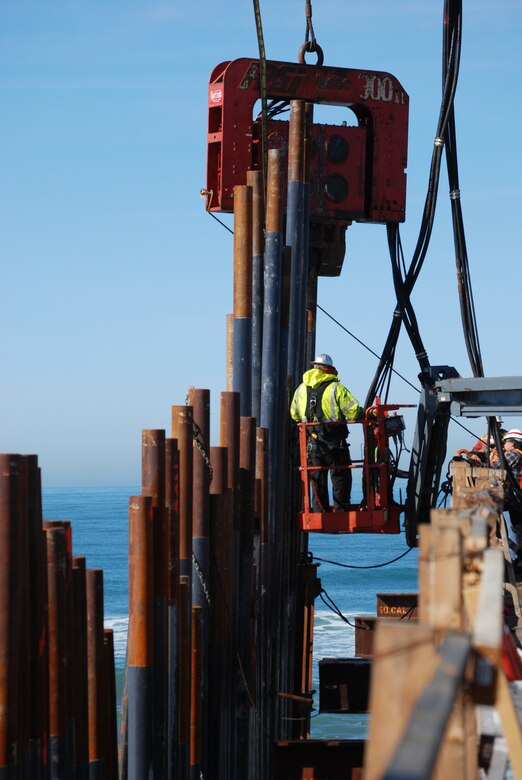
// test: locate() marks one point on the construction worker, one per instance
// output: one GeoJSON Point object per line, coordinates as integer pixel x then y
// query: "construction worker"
{"type": "Point", "coordinates": [512, 446]}
{"type": "Point", "coordinates": [321, 397]}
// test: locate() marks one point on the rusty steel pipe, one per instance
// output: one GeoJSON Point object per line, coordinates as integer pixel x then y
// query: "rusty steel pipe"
{"type": "Point", "coordinates": [38, 675]}
{"type": "Point", "coordinates": [57, 616]}
{"type": "Point", "coordinates": [200, 401]}
{"type": "Point", "coordinates": [140, 638]}
{"type": "Point", "coordinates": [79, 667]}
{"type": "Point", "coordinates": [242, 382]}
{"type": "Point", "coordinates": [295, 235]}
{"type": "Point", "coordinates": [255, 180]}
{"type": "Point", "coordinates": [183, 431]}
{"type": "Point", "coordinates": [9, 613]}
{"type": "Point", "coordinates": [264, 638]}
{"type": "Point", "coordinates": [109, 710]}
{"type": "Point", "coordinates": [172, 507]}
{"type": "Point", "coordinates": [68, 638]}
{"type": "Point", "coordinates": [95, 689]}
{"type": "Point", "coordinates": [272, 306]}
{"type": "Point", "coordinates": [153, 485]}
{"type": "Point", "coordinates": [22, 563]}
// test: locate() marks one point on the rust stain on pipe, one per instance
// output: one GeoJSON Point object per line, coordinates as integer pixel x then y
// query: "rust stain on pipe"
{"type": "Point", "coordinates": [296, 141]}
{"type": "Point", "coordinates": [140, 581]}
{"type": "Point", "coordinates": [182, 430]}
{"type": "Point", "coordinates": [242, 251]}
{"type": "Point", "coordinates": [274, 200]}
{"type": "Point", "coordinates": [200, 402]}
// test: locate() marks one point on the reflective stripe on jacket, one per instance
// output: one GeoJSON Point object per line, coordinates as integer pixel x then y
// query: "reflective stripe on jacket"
{"type": "Point", "coordinates": [337, 402]}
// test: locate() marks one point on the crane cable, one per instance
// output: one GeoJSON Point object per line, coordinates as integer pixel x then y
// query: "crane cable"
{"type": "Point", "coordinates": [262, 90]}
{"type": "Point", "coordinates": [405, 281]}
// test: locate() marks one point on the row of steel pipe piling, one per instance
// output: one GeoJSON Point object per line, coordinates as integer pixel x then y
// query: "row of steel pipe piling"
{"type": "Point", "coordinates": [242, 381]}
{"type": "Point", "coordinates": [140, 641]}
{"type": "Point", "coordinates": [255, 180]}
{"type": "Point", "coordinates": [153, 485]}
{"type": "Point", "coordinates": [45, 657]}
{"type": "Point", "coordinates": [199, 399]}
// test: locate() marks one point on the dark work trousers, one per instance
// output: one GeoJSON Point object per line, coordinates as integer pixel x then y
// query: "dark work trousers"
{"type": "Point", "coordinates": [515, 515]}
{"type": "Point", "coordinates": [328, 455]}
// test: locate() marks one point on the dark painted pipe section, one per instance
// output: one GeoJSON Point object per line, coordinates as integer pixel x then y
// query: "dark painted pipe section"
{"type": "Point", "coordinates": [196, 699]}
{"type": "Point", "coordinates": [242, 381]}
{"type": "Point", "coordinates": [255, 180]}
{"type": "Point", "coordinates": [185, 664]}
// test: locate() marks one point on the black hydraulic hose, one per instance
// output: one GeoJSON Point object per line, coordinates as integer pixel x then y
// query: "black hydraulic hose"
{"type": "Point", "coordinates": [404, 287]}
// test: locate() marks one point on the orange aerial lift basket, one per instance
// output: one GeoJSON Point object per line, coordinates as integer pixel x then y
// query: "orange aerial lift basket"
{"type": "Point", "coordinates": [377, 512]}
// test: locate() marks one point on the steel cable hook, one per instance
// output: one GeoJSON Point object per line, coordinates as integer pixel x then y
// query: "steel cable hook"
{"type": "Point", "coordinates": [310, 44]}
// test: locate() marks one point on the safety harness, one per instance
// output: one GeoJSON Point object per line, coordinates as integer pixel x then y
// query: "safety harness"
{"type": "Point", "coordinates": [324, 433]}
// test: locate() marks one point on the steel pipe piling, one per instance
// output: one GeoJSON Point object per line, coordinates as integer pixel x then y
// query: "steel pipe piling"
{"type": "Point", "coordinates": [242, 382]}
{"type": "Point", "coordinates": [255, 180]}
{"type": "Point", "coordinates": [140, 641]}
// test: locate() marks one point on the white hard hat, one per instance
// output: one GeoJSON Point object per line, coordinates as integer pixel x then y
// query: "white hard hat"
{"type": "Point", "coordinates": [325, 360]}
{"type": "Point", "coordinates": [514, 433]}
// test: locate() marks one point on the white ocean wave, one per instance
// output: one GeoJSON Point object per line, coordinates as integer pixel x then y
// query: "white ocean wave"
{"type": "Point", "coordinates": [333, 638]}
{"type": "Point", "coordinates": [119, 627]}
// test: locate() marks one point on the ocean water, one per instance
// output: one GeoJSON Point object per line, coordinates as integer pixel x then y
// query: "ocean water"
{"type": "Point", "coordinates": [99, 518]}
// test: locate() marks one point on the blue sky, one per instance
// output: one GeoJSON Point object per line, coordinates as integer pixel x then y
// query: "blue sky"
{"type": "Point", "coordinates": [115, 283]}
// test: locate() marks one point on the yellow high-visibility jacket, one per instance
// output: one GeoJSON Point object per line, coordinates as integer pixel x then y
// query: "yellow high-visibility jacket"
{"type": "Point", "coordinates": [337, 402]}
